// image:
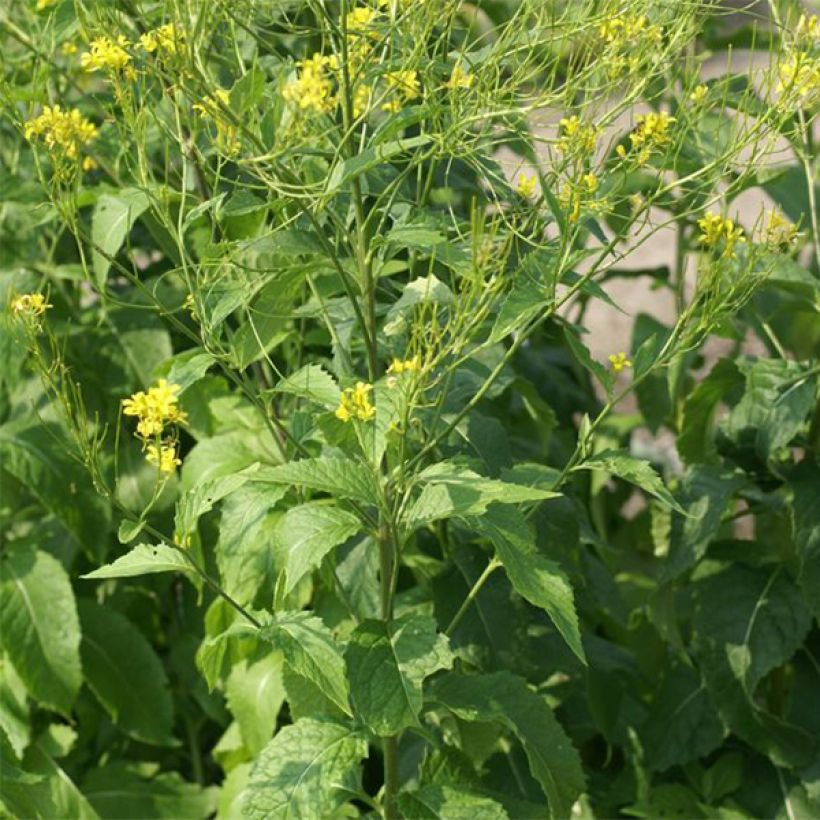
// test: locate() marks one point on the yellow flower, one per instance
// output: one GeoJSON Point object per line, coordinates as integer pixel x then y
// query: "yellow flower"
{"type": "Point", "coordinates": [808, 27]}
{"type": "Point", "coordinates": [652, 129]}
{"type": "Point", "coordinates": [361, 100]}
{"type": "Point", "coordinates": [355, 403]}
{"type": "Point", "coordinates": [63, 132]}
{"type": "Point", "coordinates": [527, 185]}
{"type": "Point", "coordinates": [699, 94]}
{"type": "Point", "coordinates": [459, 78]}
{"type": "Point", "coordinates": [800, 75]}
{"type": "Point", "coordinates": [576, 135]}
{"type": "Point", "coordinates": [360, 18]}
{"type": "Point", "coordinates": [42, 5]}
{"type": "Point", "coordinates": [619, 362]}
{"type": "Point", "coordinates": [30, 304]}
{"type": "Point", "coordinates": [154, 409]}
{"type": "Point", "coordinates": [68, 48]}
{"type": "Point", "coordinates": [575, 196]}
{"type": "Point", "coordinates": [312, 89]}
{"type": "Point", "coordinates": [107, 55]}
{"type": "Point", "coordinates": [715, 229]}
{"type": "Point", "coordinates": [164, 457]}
{"type": "Point", "coordinates": [227, 134]}
{"type": "Point", "coordinates": [778, 231]}
{"type": "Point", "coordinates": [403, 82]}
{"type": "Point", "coordinates": [399, 366]}
{"type": "Point", "coordinates": [88, 164]}
{"type": "Point", "coordinates": [167, 39]}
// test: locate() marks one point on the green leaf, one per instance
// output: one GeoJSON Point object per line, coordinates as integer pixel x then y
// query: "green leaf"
{"type": "Point", "coordinates": [187, 368]}
{"type": "Point", "coordinates": [306, 772]}
{"type": "Point", "coordinates": [39, 627]}
{"type": "Point", "coordinates": [387, 663]}
{"type": "Point", "coordinates": [255, 694]}
{"type": "Point", "coordinates": [144, 559]}
{"type": "Point", "coordinates": [14, 710]}
{"type": "Point", "coordinates": [637, 471]}
{"type": "Point", "coordinates": [534, 576]}
{"type": "Point", "coordinates": [451, 490]}
{"type": "Point", "coordinates": [310, 650]}
{"type": "Point", "coordinates": [746, 623]}
{"type": "Point", "coordinates": [313, 383]}
{"type": "Point", "coordinates": [126, 675]}
{"type": "Point", "coordinates": [424, 290]}
{"type": "Point", "coordinates": [341, 477]}
{"type": "Point", "coordinates": [506, 699]}
{"type": "Point", "coordinates": [113, 217]}
{"type": "Point", "coordinates": [119, 792]}
{"type": "Point", "coordinates": [435, 802]}
{"type": "Point", "coordinates": [305, 534]}
{"type": "Point", "coordinates": [805, 483]}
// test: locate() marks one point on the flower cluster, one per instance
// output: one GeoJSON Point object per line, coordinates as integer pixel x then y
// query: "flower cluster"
{"type": "Point", "coordinates": [155, 409]}
{"type": "Point", "coordinates": [799, 76]}
{"type": "Point", "coordinates": [399, 366]}
{"type": "Point", "coordinates": [29, 307]}
{"type": "Point", "coordinates": [624, 39]}
{"type": "Point", "coordinates": [404, 86]}
{"type": "Point", "coordinates": [227, 134]}
{"type": "Point", "coordinates": [64, 133]}
{"type": "Point", "coordinates": [527, 185]}
{"type": "Point", "coordinates": [164, 40]}
{"type": "Point", "coordinates": [576, 136]}
{"type": "Point", "coordinates": [579, 194]}
{"type": "Point", "coordinates": [652, 132]}
{"type": "Point", "coordinates": [459, 78]}
{"type": "Point", "coordinates": [355, 403]}
{"type": "Point", "coordinates": [312, 90]}
{"type": "Point", "coordinates": [109, 55]}
{"type": "Point", "coordinates": [778, 231]}
{"type": "Point", "coordinates": [716, 230]}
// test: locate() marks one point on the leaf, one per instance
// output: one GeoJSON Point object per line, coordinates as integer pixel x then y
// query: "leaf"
{"type": "Point", "coordinates": [113, 217]}
{"type": "Point", "coordinates": [309, 650]}
{"type": "Point", "coordinates": [187, 368]}
{"type": "Point", "coordinates": [39, 627]}
{"type": "Point", "coordinates": [119, 792]}
{"type": "Point", "coordinates": [746, 623]}
{"type": "Point", "coordinates": [534, 577]}
{"type": "Point", "coordinates": [255, 694]}
{"type": "Point", "coordinates": [683, 723]}
{"type": "Point", "coordinates": [14, 710]}
{"type": "Point", "coordinates": [305, 534]}
{"type": "Point", "coordinates": [144, 559]}
{"type": "Point", "coordinates": [437, 802]}
{"type": "Point", "coordinates": [805, 483]}
{"type": "Point", "coordinates": [387, 663]}
{"type": "Point", "coordinates": [504, 698]}
{"type": "Point", "coordinates": [126, 675]}
{"type": "Point", "coordinates": [451, 490]}
{"type": "Point", "coordinates": [341, 477]}
{"type": "Point", "coordinates": [313, 383]}
{"type": "Point", "coordinates": [307, 771]}
{"type": "Point", "coordinates": [426, 289]}
{"type": "Point", "coordinates": [637, 471]}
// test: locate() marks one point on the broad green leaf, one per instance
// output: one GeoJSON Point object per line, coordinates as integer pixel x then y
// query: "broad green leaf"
{"type": "Point", "coordinates": [144, 559]}
{"type": "Point", "coordinates": [306, 772]}
{"type": "Point", "coordinates": [310, 650]}
{"type": "Point", "coordinates": [506, 699]}
{"type": "Point", "coordinates": [746, 623]}
{"type": "Point", "coordinates": [255, 694]}
{"type": "Point", "coordinates": [683, 723]}
{"type": "Point", "coordinates": [188, 368]}
{"type": "Point", "coordinates": [341, 477]}
{"type": "Point", "coordinates": [387, 664]}
{"type": "Point", "coordinates": [14, 710]}
{"type": "Point", "coordinates": [313, 383]}
{"type": "Point", "coordinates": [113, 217]}
{"type": "Point", "coordinates": [118, 791]}
{"type": "Point", "coordinates": [533, 576]}
{"type": "Point", "coordinates": [435, 802]}
{"type": "Point", "coordinates": [637, 471]}
{"type": "Point", "coordinates": [450, 490]}
{"type": "Point", "coordinates": [424, 290]}
{"type": "Point", "coordinates": [37, 456]}
{"type": "Point", "coordinates": [39, 627]}
{"type": "Point", "coordinates": [305, 534]}
{"type": "Point", "coordinates": [125, 674]}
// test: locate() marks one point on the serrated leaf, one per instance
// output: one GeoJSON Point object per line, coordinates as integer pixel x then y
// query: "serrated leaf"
{"type": "Point", "coordinates": [309, 650]}
{"type": "Point", "coordinates": [305, 534]}
{"type": "Point", "coordinates": [39, 627]}
{"type": "Point", "coordinates": [341, 477]}
{"type": "Point", "coordinates": [387, 663]}
{"type": "Point", "coordinates": [451, 490]}
{"type": "Point", "coordinates": [435, 802]}
{"type": "Point", "coordinates": [746, 623]}
{"type": "Point", "coordinates": [506, 699]}
{"type": "Point", "coordinates": [313, 383]}
{"type": "Point", "coordinates": [534, 576]}
{"type": "Point", "coordinates": [307, 771]}
{"type": "Point", "coordinates": [637, 471]}
{"type": "Point", "coordinates": [126, 675]}
{"type": "Point", "coordinates": [144, 559]}
{"type": "Point", "coordinates": [113, 217]}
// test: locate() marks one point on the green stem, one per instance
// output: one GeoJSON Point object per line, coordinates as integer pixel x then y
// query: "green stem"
{"type": "Point", "coordinates": [476, 588]}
